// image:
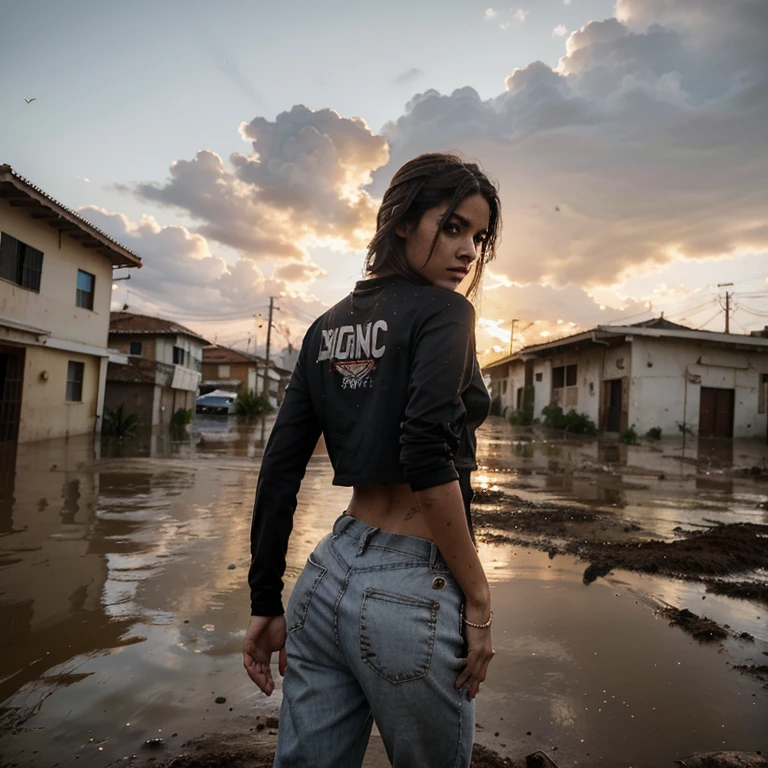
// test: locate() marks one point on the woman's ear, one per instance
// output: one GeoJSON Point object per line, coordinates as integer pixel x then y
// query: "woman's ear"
{"type": "Point", "coordinates": [402, 229]}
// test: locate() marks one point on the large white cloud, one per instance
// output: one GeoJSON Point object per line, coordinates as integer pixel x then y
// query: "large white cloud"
{"type": "Point", "coordinates": [182, 279]}
{"type": "Point", "coordinates": [301, 184]}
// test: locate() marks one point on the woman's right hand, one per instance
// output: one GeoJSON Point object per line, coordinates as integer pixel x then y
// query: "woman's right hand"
{"type": "Point", "coordinates": [479, 655]}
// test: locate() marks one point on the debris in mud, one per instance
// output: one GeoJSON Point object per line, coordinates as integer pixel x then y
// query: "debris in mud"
{"type": "Point", "coordinates": [724, 760]}
{"type": "Point", "coordinates": [760, 671]}
{"type": "Point", "coordinates": [699, 627]}
{"type": "Point", "coordinates": [154, 744]}
{"type": "Point", "coordinates": [745, 590]}
{"type": "Point", "coordinates": [594, 571]}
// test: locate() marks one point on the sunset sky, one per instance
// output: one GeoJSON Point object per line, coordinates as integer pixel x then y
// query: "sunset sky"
{"type": "Point", "coordinates": [241, 149]}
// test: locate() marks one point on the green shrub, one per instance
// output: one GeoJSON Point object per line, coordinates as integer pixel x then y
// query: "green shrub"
{"type": "Point", "coordinates": [181, 417]}
{"type": "Point", "coordinates": [251, 405]}
{"type": "Point", "coordinates": [628, 436]}
{"type": "Point", "coordinates": [578, 423]}
{"type": "Point", "coordinates": [654, 433]}
{"type": "Point", "coordinates": [118, 424]}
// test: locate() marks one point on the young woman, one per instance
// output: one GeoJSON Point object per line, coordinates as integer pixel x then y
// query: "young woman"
{"type": "Point", "coordinates": [391, 618]}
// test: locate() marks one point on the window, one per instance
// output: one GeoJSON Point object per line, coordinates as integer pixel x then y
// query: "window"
{"type": "Point", "coordinates": [178, 356]}
{"type": "Point", "coordinates": [504, 387]}
{"type": "Point", "coordinates": [75, 373]}
{"type": "Point", "coordinates": [539, 377]}
{"type": "Point", "coordinates": [85, 283]}
{"type": "Point", "coordinates": [564, 376]}
{"type": "Point", "coordinates": [136, 348]}
{"type": "Point", "coordinates": [20, 263]}
{"type": "Point", "coordinates": [565, 391]}
{"type": "Point", "coordinates": [223, 371]}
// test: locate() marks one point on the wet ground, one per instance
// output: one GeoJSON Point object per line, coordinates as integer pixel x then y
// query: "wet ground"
{"type": "Point", "coordinates": [123, 598]}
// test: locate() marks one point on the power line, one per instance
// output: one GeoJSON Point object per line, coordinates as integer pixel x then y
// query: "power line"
{"type": "Point", "coordinates": [710, 320]}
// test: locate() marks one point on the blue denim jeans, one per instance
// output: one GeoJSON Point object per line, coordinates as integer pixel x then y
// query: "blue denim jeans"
{"type": "Point", "coordinates": [374, 633]}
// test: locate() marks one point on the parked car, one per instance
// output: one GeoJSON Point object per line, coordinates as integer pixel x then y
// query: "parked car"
{"type": "Point", "coordinates": [218, 401]}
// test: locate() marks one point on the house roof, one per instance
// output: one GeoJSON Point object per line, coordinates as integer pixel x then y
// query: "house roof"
{"type": "Point", "coordinates": [132, 324]}
{"type": "Point", "coordinates": [218, 354]}
{"type": "Point", "coordinates": [657, 328]}
{"type": "Point", "coordinates": [215, 353]}
{"type": "Point", "coordinates": [24, 194]}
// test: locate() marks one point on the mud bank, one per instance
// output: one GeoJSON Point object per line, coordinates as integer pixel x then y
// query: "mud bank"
{"type": "Point", "coordinates": [608, 541]}
{"type": "Point", "coordinates": [247, 750]}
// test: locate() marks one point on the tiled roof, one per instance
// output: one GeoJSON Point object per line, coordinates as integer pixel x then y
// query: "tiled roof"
{"type": "Point", "coordinates": [218, 354]}
{"type": "Point", "coordinates": [23, 194]}
{"type": "Point", "coordinates": [131, 323]}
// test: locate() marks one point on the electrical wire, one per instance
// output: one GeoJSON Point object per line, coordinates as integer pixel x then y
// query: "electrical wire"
{"type": "Point", "coordinates": [709, 321]}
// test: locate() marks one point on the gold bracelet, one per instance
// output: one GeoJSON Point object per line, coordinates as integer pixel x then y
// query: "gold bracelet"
{"type": "Point", "coordinates": [479, 626]}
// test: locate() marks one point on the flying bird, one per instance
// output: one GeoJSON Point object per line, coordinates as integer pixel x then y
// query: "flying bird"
{"type": "Point", "coordinates": [29, 101]}
{"type": "Point", "coordinates": [557, 208]}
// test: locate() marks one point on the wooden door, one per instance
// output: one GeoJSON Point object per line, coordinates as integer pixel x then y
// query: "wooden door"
{"type": "Point", "coordinates": [613, 405]}
{"type": "Point", "coordinates": [716, 412]}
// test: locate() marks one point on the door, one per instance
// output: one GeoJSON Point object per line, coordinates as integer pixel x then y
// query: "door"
{"type": "Point", "coordinates": [716, 412]}
{"type": "Point", "coordinates": [613, 408]}
{"type": "Point", "coordinates": [11, 380]}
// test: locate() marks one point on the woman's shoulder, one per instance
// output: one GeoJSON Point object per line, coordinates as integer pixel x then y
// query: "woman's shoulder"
{"type": "Point", "coordinates": [450, 305]}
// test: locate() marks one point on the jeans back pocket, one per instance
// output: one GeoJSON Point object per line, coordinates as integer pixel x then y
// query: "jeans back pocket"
{"type": "Point", "coordinates": [302, 595]}
{"type": "Point", "coordinates": [397, 634]}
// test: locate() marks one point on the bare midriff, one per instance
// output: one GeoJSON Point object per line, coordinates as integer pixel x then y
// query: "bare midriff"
{"type": "Point", "coordinates": [391, 508]}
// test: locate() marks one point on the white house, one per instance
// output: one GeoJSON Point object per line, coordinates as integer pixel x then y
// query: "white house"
{"type": "Point", "coordinates": [55, 292]}
{"type": "Point", "coordinates": [652, 374]}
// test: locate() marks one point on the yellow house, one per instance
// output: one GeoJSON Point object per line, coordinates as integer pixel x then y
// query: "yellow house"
{"type": "Point", "coordinates": [55, 293]}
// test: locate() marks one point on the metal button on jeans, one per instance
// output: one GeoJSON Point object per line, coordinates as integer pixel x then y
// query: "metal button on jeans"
{"type": "Point", "coordinates": [438, 582]}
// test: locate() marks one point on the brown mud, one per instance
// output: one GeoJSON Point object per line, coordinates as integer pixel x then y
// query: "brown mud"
{"type": "Point", "coordinates": [244, 750]}
{"type": "Point", "coordinates": [744, 590]}
{"type": "Point", "coordinates": [607, 541]}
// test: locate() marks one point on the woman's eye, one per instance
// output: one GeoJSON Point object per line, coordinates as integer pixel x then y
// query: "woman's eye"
{"type": "Point", "coordinates": [452, 229]}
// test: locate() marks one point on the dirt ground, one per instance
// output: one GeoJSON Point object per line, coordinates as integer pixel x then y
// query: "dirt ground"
{"type": "Point", "coordinates": [605, 540]}
{"type": "Point", "coordinates": [244, 750]}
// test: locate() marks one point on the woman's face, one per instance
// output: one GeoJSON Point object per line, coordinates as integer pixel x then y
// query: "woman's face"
{"type": "Point", "coordinates": [457, 247]}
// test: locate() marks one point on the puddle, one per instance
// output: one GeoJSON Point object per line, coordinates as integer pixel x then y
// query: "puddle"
{"type": "Point", "coordinates": [122, 620]}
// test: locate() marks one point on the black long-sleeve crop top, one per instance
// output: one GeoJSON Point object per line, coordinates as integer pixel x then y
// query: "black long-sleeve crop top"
{"type": "Point", "coordinates": [389, 376]}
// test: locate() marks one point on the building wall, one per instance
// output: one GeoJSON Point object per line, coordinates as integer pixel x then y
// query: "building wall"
{"type": "Point", "coordinates": [54, 307]}
{"type": "Point", "coordinates": [244, 373]}
{"type": "Point", "coordinates": [135, 398]}
{"type": "Point", "coordinates": [122, 343]}
{"type": "Point", "coordinates": [663, 396]}
{"type": "Point", "coordinates": [542, 389]}
{"type": "Point", "coordinates": [45, 413]}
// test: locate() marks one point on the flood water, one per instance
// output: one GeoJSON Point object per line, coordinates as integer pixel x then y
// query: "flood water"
{"type": "Point", "coordinates": [122, 615]}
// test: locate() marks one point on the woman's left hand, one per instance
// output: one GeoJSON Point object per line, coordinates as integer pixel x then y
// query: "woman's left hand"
{"type": "Point", "coordinates": [264, 636]}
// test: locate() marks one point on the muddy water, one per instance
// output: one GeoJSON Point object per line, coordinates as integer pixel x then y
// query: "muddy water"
{"type": "Point", "coordinates": [122, 616]}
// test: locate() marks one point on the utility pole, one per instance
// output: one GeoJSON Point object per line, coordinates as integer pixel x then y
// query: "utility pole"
{"type": "Point", "coordinates": [727, 306]}
{"type": "Point", "coordinates": [512, 334]}
{"type": "Point", "coordinates": [272, 307]}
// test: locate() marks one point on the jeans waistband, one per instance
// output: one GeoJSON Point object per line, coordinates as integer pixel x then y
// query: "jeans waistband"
{"type": "Point", "coordinates": [399, 542]}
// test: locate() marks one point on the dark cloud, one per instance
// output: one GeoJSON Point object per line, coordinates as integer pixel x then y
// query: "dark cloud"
{"type": "Point", "coordinates": [649, 136]}
{"type": "Point", "coordinates": [407, 77]}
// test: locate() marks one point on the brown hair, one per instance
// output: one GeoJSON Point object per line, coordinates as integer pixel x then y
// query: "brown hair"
{"type": "Point", "coordinates": [423, 183]}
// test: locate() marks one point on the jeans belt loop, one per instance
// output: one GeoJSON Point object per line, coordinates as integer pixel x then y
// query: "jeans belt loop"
{"type": "Point", "coordinates": [365, 541]}
{"type": "Point", "coordinates": [435, 558]}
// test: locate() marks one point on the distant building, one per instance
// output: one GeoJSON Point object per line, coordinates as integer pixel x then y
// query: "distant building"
{"type": "Point", "coordinates": [163, 370]}
{"type": "Point", "coordinates": [238, 371]}
{"type": "Point", "coordinates": [55, 292]}
{"type": "Point", "coordinates": [651, 374]}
